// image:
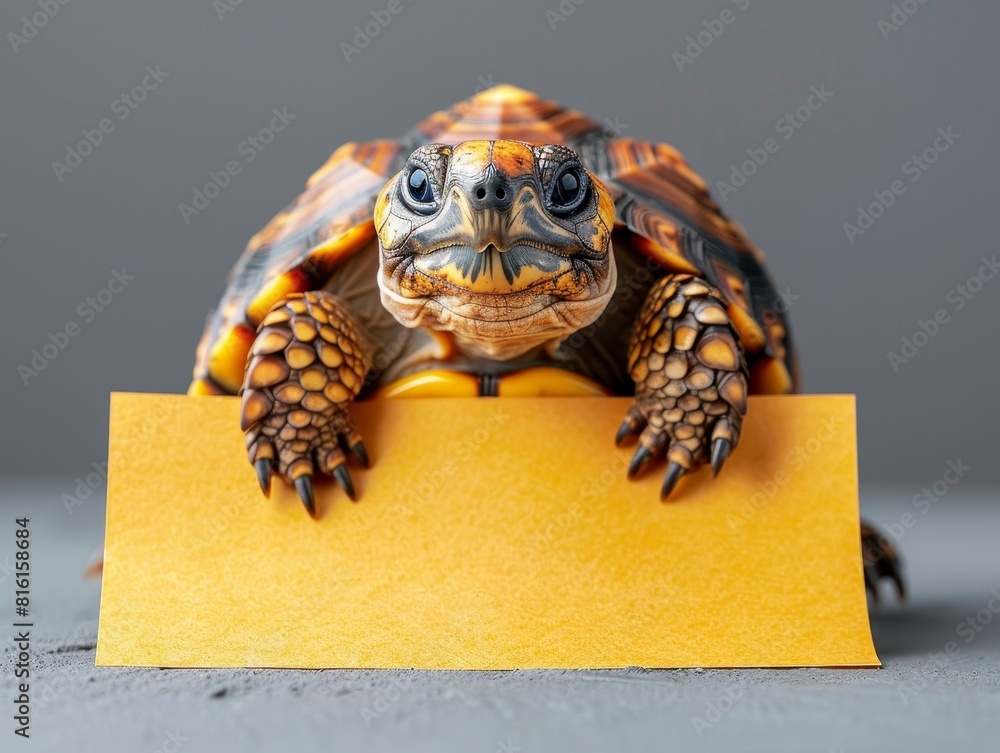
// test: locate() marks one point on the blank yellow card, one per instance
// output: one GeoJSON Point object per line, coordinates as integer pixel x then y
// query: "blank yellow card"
{"type": "Point", "coordinates": [491, 533]}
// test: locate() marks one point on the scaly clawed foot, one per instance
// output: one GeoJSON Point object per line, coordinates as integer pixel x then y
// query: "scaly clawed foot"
{"type": "Point", "coordinates": [306, 365]}
{"type": "Point", "coordinates": [690, 379]}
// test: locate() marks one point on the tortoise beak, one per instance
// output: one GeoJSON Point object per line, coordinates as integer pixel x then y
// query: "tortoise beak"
{"type": "Point", "coordinates": [493, 269]}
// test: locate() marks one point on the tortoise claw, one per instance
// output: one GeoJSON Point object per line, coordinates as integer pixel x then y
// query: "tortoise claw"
{"type": "Point", "coordinates": [720, 453]}
{"type": "Point", "coordinates": [674, 473]}
{"type": "Point", "coordinates": [303, 485]}
{"type": "Point", "coordinates": [624, 432]}
{"type": "Point", "coordinates": [343, 477]}
{"type": "Point", "coordinates": [897, 578]}
{"type": "Point", "coordinates": [359, 451]}
{"type": "Point", "coordinates": [885, 568]}
{"type": "Point", "coordinates": [639, 460]}
{"type": "Point", "coordinates": [263, 467]}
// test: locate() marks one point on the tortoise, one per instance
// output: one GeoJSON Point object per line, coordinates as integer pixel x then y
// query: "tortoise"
{"type": "Point", "coordinates": [505, 246]}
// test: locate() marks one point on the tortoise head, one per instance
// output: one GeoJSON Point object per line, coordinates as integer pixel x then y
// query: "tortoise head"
{"type": "Point", "coordinates": [505, 244]}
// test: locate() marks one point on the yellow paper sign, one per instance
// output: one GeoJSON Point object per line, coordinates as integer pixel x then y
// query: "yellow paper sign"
{"type": "Point", "coordinates": [490, 534]}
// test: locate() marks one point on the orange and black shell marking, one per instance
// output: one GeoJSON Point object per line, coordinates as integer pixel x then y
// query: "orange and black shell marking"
{"type": "Point", "coordinates": [663, 211]}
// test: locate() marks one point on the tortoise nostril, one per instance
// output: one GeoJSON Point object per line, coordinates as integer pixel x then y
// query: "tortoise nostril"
{"type": "Point", "coordinates": [491, 193]}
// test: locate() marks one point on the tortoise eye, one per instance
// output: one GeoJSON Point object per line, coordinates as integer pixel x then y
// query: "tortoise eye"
{"type": "Point", "coordinates": [567, 189]}
{"type": "Point", "coordinates": [418, 186]}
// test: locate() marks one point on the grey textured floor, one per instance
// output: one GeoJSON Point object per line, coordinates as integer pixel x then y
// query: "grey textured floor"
{"type": "Point", "coordinates": [919, 701]}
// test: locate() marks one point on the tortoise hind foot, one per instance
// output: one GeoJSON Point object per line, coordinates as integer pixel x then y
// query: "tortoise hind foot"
{"type": "Point", "coordinates": [880, 560]}
{"type": "Point", "coordinates": [690, 376]}
{"type": "Point", "coordinates": [305, 368]}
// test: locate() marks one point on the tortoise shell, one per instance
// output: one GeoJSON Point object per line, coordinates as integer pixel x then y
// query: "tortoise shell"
{"type": "Point", "coordinates": [662, 209]}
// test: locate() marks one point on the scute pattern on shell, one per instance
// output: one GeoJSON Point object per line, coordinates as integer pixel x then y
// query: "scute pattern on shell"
{"type": "Point", "coordinates": [296, 252]}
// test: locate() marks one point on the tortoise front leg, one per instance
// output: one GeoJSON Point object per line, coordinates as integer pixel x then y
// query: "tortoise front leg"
{"type": "Point", "coordinates": [690, 376]}
{"type": "Point", "coordinates": [305, 368]}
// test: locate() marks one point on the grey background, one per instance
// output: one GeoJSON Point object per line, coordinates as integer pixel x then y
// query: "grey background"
{"type": "Point", "coordinates": [609, 59]}
{"type": "Point", "coordinates": [60, 242]}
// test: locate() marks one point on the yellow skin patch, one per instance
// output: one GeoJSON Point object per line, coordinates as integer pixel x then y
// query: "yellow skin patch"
{"type": "Point", "coordinates": [479, 240]}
